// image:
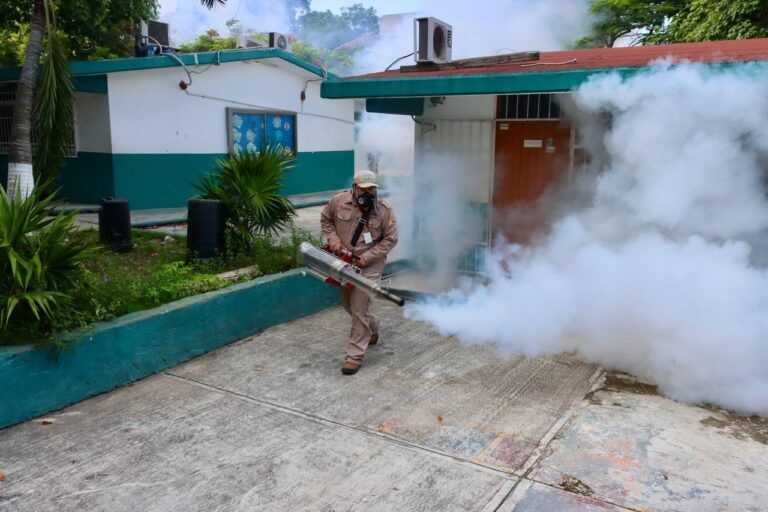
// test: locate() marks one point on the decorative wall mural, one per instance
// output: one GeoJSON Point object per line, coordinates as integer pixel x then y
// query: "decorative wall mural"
{"type": "Point", "coordinates": [249, 130]}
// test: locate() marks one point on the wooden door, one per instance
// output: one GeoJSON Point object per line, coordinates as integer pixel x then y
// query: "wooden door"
{"type": "Point", "coordinates": [530, 156]}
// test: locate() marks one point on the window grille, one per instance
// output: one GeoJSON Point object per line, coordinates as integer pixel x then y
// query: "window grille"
{"type": "Point", "coordinates": [7, 100]}
{"type": "Point", "coordinates": [528, 106]}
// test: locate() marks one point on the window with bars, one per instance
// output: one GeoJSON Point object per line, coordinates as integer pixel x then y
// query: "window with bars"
{"type": "Point", "coordinates": [7, 99]}
{"type": "Point", "coordinates": [528, 106]}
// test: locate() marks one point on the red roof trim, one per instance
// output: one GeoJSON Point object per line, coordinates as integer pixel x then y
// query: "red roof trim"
{"type": "Point", "coordinates": [602, 58]}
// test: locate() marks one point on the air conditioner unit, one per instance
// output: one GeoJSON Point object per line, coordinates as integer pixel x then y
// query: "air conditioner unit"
{"type": "Point", "coordinates": [245, 42]}
{"type": "Point", "coordinates": [155, 31]}
{"type": "Point", "coordinates": [278, 40]}
{"type": "Point", "coordinates": [432, 40]}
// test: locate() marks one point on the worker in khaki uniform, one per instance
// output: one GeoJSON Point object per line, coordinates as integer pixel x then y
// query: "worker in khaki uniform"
{"type": "Point", "coordinates": [359, 213]}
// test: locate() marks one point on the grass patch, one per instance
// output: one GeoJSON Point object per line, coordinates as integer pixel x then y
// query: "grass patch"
{"type": "Point", "coordinates": [153, 274]}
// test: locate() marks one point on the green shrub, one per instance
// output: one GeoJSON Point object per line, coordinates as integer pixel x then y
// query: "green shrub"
{"type": "Point", "coordinates": [39, 260]}
{"type": "Point", "coordinates": [249, 185]}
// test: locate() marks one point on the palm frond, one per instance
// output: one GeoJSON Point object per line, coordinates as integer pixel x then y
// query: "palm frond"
{"type": "Point", "coordinates": [54, 116]}
{"type": "Point", "coordinates": [210, 4]}
{"type": "Point", "coordinates": [250, 184]}
{"type": "Point", "coordinates": [39, 261]}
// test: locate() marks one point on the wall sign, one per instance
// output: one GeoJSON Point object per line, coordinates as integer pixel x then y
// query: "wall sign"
{"type": "Point", "coordinates": [531, 143]}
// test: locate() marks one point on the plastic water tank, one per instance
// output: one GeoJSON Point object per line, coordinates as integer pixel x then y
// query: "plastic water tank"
{"type": "Point", "coordinates": [205, 228]}
{"type": "Point", "coordinates": [115, 224]}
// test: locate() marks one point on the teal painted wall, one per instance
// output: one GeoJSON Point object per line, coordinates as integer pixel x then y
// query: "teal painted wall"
{"type": "Point", "coordinates": [159, 180]}
{"type": "Point", "coordinates": [112, 354]}
{"type": "Point", "coordinates": [165, 180]}
{"type": "Point", "coordinates": [321, 170]}
{"type": "Point", "coordinates": [87, 178]}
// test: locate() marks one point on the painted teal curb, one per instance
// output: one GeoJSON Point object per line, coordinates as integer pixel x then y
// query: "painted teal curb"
{"type": "Point", "coordinates": [112, 354]}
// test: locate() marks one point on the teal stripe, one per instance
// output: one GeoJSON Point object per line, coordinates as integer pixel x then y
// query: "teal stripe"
{"type": "Point", "coordinates": [165, 180]}
{"type": "Point", "coordinates": [87, 178]}
{"type": "Point", "coordinates": [92, 83]}
{"type": "Point", "coordinates": [403, 106]}
{"type": "Point", "coordinates": [98, 67]}
{"type": "Point", "coordinates": [496, 83]}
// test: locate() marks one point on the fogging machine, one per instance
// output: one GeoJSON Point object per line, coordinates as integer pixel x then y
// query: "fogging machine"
{"type": "Point", "coordinates": [341, 272]}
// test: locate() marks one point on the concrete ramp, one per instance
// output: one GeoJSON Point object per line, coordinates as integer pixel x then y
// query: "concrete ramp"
{"type": "Point", "coordinates": [464, 401]}
{"type": "Point", "coordinates": [270, 423]}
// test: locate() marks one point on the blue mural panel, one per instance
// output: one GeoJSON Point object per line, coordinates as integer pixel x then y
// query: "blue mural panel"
{"type": "Point", "coordinates": [247, 131]}
{"type": "Point", "coordinates": [251, 130]}
{"type": "Point", "coordinates": [281, 129]}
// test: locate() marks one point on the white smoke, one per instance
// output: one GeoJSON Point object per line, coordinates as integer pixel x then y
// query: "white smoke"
{"type": "Point", "coordinates": [188, 18]}
{"type": "Point", "coordinates": [497, 26]}
{"type": "Point", "coordinates": [655, 277]}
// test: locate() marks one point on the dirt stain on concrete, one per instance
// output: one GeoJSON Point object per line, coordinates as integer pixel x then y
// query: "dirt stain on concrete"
{"type": "Point", "coordinates": [615, 381]}
{"type": "Point", "coordinates": [738, 427]}
{"type": "Point", "coordinates": [574, 485]}
{"type": "Point", "coordinates": [621, 382]}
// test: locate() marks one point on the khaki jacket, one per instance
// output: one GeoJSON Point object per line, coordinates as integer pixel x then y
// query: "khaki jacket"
{"type": "Point", "coordinates": [339, 220]}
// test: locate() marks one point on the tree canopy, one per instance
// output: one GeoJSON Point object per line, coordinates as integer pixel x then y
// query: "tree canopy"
{"type": "Point", "coordinates": [95, 29]}
{"type": "Point", "coordinates": [712, 20]}
{"type": "Point", "coordinates": [326, 30]}
{"type": "Point", "coordinates": [675, 21]}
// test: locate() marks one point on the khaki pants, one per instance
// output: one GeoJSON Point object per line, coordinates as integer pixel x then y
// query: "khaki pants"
{"type": "Point", "coordinates": [364, 323]}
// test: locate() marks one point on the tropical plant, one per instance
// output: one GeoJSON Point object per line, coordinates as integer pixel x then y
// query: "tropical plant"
{"type": "Point", "coordinates": [39, 259]}
{"type": "Point", "coordinates": [249, 185]}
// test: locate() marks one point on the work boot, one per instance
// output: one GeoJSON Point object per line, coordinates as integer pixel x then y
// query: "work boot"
{"type": "Point", "coordinates": [349, 368]}
{"type": "Point", "coordinates": [374, 339]}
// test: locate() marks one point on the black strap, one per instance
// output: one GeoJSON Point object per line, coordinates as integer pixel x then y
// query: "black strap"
{"type": "Point", "coordinates": [360, 225]}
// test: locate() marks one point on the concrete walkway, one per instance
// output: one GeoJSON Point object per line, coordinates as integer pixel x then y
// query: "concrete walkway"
{"type": "Point", "coordinates": [172, 216]}
{"type": "Point", "coordinates": [269, 423]}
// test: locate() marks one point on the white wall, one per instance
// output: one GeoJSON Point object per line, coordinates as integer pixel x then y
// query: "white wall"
{"type": "Point", "coordinates": [92, 119]}
{"type": "Point", "coordinates": [151, 114]}
{"type": "Point", "coordinates": [461, 131]}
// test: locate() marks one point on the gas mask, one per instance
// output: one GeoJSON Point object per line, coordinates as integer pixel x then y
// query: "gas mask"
{"type": "Point", "coordinates": [366, 201]}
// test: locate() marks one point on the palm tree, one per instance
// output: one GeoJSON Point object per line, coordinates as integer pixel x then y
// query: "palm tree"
{"type": "Point", "coordinates": [53, 116]}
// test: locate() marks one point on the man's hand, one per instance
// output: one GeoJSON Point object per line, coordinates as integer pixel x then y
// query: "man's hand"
{"type": "Point", "coordinates": [360, 262]}
{"type": "Point", "coordinates": [336, 248]}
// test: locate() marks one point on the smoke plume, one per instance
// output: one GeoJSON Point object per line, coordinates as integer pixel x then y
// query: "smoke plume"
{"type": "Point", "coordinates": [660, 274]}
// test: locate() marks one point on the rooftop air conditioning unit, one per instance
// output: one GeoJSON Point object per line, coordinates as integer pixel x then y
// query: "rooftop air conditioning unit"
{"type": "Point", "coordinates": [245, 42]}
{"type": "Point", "coordinates": [278, 40]}
{"type": "Point", "coordinates": [155, 31]}
{"type": "Point", "coordinates": [432, 40]}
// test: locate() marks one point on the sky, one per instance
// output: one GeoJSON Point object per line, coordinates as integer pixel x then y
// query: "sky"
{"type": "Point", "coordinates": [187, 18]}
{"type": "Point", "coordinates": [381, 6]}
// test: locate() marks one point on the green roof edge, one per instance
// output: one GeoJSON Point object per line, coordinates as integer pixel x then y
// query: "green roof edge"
{"type": "Point", "coordinates": [489, 83]}
{"type": "Point", "coordinates": [100, 67]}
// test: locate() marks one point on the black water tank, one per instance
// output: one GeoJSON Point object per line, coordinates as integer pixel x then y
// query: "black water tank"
{"type": "Point", "coordinates": [205, 228]}
{"type": "Point", "coordinates": [115, 224]}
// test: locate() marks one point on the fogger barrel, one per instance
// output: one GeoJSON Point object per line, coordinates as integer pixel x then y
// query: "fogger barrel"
{"type": "Point", "coordinates": [326, 265]}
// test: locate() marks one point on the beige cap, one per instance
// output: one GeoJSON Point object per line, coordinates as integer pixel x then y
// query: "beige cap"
{"type": "Point", "coordinates": [365, 179]}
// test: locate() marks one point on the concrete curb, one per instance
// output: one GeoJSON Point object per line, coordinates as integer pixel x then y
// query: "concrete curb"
{"type": "Point", "coordinates": [115, 353]}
